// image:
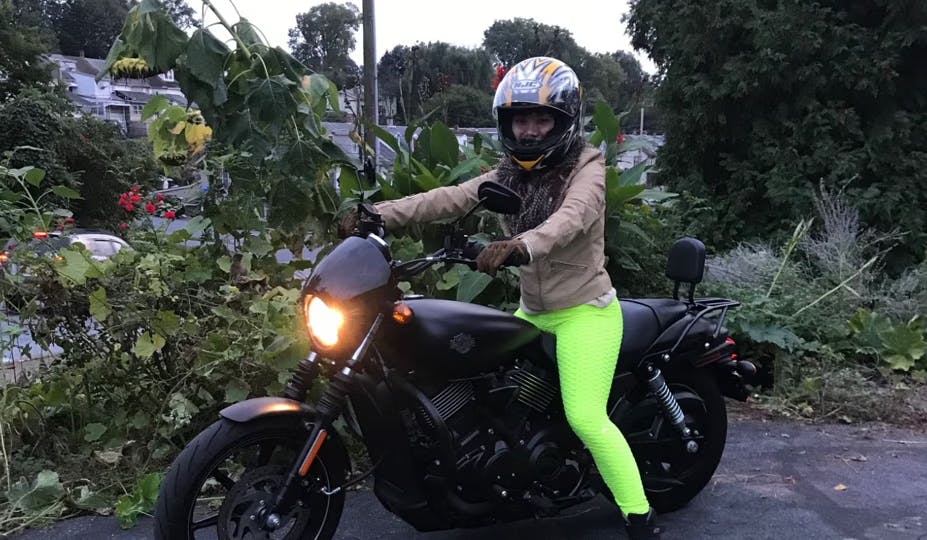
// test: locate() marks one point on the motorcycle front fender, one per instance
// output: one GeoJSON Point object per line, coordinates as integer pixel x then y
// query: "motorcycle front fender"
{"type": "Point", "coordinates": [250, 409]}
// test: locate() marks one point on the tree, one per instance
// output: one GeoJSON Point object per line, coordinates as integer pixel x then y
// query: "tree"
{"type": "Point", "coordinates": [323, 40]}
{"type": "Point", "coordinates": [180, 11]}
{"type": "Point", "coordinates": [514, 40]}
{"type": "Point", "coordinates": [412, 75]}
{"type": "Point", "coordinates": [462, 106]}
{"type": "Point", "coordinates": [21, 47]}
{"type": "Point", "coordinates": [87, 27]}
{"type": "Point", "coordinates": [782, 97]}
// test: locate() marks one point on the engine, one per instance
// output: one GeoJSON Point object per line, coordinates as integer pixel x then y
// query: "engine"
{"type": "Point", "coordinates": [505, 432]}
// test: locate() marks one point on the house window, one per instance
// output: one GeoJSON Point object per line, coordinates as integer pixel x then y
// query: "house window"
{"type": "Point", "coordinates": [136, 109]}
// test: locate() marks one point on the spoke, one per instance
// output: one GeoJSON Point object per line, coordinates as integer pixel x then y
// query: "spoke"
{"type": "Point", "coordinates": [661, 483]}
{"type": "Point", "coordinates": [265, 451]}
{"type": "Point", "coordinates": [211, 521]}
{"type": "Point", "coordinates": [223, 478]}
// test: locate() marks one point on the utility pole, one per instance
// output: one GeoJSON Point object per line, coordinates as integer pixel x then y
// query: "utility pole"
{"type": "Point", "coordinates": [371, 101]}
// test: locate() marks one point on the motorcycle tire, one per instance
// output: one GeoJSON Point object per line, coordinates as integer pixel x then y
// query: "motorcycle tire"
{"type": "Point", "coordinates": [709, 416]}
{"type": "Point", "coordinates": [178, 497]}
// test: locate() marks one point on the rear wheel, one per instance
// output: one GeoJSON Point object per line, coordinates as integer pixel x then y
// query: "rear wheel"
{"type": "Point", "coordinates": [219, 484]}
{"type": "Point", "coordinates": [673, 475]}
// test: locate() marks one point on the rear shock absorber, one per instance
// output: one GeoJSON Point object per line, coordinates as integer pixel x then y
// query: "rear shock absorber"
{"type": "Point", "coordinates": [669, 405]}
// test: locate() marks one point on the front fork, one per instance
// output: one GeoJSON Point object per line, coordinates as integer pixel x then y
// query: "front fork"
{"type": "Point", "coordinates": [327, 411]}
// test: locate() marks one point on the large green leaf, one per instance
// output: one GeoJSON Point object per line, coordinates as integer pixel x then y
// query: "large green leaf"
{"type": "Point", "coordinates": [206, 57]}
{"type": "Point", "coordinates": [348, 182]}
{"type": "Point", "coordinates": [146, 345]}
{"type": "Point", "coordinates": [65, 192]}
{"type": "Point", "coordinates": [45, 491]}
{"type": "Point", "coordinates": [270, 100]}
{"type": "Point", "coordinates": [75, 265]}
{"type": "Point", "coordinates": [606, 121]}
{"type": "Point", "coordinates": [99, 305]}
{"type": "Point", "coordinates": [154, 107]}
{"type": "Point", "coordinates": [445, 150]}
{"type": "Point", "coordinates": [35, 176]}
{"type": "Point", "coordinates": [472, 283]}
{"type": "Point", "coordinates": [904, 345]}
{"type": "Point", "coordinates": [470, 167]}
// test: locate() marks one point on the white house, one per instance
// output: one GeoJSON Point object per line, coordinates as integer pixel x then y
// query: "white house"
{"type": "Point", "coordinates": [115, 100]}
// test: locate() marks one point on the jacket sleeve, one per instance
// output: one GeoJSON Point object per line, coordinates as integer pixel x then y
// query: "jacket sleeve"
{"type": "Point", "coordinates": [441, 203]}
{"type": "Point", "coordinates": [582, 206]}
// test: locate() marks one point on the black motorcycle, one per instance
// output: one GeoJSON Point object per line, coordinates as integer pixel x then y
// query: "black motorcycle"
{"type": "Point", "coordinates": [458, 405]}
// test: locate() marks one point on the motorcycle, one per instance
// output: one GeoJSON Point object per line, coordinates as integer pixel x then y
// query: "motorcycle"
{"type": "Point", "coordinates": [458, 405]}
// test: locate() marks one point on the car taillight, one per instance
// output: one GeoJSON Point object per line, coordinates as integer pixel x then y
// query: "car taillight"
{"type": "Point", "coordinates": [4, 258]}
{"type": "Point", "coordinates": [40, 235]}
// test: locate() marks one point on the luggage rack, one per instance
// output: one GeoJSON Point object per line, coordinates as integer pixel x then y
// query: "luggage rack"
{"type": "Point", "coordinates": [700, 309]}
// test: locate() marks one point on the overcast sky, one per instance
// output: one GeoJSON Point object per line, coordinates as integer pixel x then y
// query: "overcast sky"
{"type": "Point", "coordinates": [595, 24]}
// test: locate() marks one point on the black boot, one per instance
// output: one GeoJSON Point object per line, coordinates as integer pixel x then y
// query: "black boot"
{"type": "Point", "coordinates": [642, 526]}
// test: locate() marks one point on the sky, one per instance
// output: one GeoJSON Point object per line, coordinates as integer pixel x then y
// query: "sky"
{"type": "Point", "coordinates": [595, 24]}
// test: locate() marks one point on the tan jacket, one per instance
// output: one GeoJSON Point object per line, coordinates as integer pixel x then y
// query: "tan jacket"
{"type": "Point", "coordinates": [567, 250]}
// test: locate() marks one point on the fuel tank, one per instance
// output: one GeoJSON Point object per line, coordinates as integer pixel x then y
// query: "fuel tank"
{"type": "Point", "coordinates": [455, 339]}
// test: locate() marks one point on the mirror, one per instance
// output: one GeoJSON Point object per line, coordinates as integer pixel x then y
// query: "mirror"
{"type": "Point", "coordinates": [498, 198]}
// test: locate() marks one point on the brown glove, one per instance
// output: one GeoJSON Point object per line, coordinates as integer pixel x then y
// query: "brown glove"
{"type": "Point", "coordinates": [348, 223]}
{"type": "Point", "coordinates": [495, 254]}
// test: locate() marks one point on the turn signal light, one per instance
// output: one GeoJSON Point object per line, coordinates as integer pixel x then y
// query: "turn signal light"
{"type": "Point", "coordinates": [4, 258]}
{"type": "Point", "coordinates": [402, 313]}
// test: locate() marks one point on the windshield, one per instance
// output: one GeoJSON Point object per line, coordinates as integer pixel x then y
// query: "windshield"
{"type": "Point", "coordinates": [356, 267]}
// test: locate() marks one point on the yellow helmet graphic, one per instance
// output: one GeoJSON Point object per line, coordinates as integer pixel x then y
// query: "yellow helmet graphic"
{"type": "Point", "coordinates": [539, 83]}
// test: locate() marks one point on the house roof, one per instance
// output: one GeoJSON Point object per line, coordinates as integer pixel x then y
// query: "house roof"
{"type": "Point", "coordinates": [134, 97]}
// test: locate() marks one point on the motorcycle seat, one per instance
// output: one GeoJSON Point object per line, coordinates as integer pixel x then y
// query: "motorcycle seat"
{"type": "Point", "coordinates": [644, 320]}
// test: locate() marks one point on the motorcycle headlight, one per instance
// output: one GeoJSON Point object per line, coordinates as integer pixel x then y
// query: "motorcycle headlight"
{"type": "Point", "coordinates": [323, 322]}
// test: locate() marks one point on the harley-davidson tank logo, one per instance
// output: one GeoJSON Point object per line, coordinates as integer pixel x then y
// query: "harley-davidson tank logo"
{"type": "Point", "coordinates": [462, 343]}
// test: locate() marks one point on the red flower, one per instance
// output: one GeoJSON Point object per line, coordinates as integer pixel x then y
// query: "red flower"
{"type": "Point", "coordinates": [170, 214]}
{"type": "Point", "coordinates": [136, 189]}
{"type": "Point", "coordinates": [123, 225]}
{"type": "Point", "coordinates": [620, 138]}
{"type": "Point", "coordinates": [136, 198]}
{"type": "Point", "coordinates": [150, 208]}
{"type": "Point", "coordinates": [159, 197]}
{"type": "Point", "coordinates": [500, 73]}
{"type": "Point", "coordinates": [129, 207]}
{"type": "Point", "coordinates": [69, 220]}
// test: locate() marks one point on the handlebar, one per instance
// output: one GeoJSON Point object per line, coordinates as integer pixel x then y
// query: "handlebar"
{"type": "Point", "coordinates": [466, 256]}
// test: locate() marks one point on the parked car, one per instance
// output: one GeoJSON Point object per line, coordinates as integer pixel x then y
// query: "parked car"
{"type": "Point", "coordinates": [101, 244]}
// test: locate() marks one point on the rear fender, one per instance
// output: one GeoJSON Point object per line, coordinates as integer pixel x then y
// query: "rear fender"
{"type": "Point", "coordinates": [731, 372]}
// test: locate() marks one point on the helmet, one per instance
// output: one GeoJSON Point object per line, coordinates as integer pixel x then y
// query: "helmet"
{"type": "Point", "coordinates": [539, 83]}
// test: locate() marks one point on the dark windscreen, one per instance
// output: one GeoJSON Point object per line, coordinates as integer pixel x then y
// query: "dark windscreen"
{"type": "Point", "coordinates": [357, 266]}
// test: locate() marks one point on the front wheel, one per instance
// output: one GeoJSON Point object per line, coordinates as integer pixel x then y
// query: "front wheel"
{"type": "Point", "coordinates": [230, 471]}
{"type": "Point", "coordinates": [671, 473]}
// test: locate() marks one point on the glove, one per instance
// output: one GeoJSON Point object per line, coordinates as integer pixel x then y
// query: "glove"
{"type": "Point", "coordinates": [495, 254]}
{"type": "Point", "coordinates": [348, 223]}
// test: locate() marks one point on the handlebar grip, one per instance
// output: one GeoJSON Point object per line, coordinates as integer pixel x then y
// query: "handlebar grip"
{"type": "Point", "coordinates": [472, 250]}
{"type": "Point", "coordinates": [517, 258]}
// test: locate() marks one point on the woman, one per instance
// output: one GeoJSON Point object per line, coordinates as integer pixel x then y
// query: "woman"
{"type": "Point", "coordinates": [564, 288]}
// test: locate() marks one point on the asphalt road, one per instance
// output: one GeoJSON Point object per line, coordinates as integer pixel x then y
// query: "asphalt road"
{"type": "Point", "coordinates": [777, 480]}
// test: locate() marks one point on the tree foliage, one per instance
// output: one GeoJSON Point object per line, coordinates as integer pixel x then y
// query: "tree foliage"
{"type": "Point", "coordinates": [781, 97]}
{"type": "Point", "coordinates": [461, 106]}
{"type": "Point", "coordinates": [22, 42]}
{"type": "Point", "coordinates": [323, 40]}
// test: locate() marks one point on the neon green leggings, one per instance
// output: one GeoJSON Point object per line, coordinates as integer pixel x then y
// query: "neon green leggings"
{"type": "Point", "coordinates": [588, 342]}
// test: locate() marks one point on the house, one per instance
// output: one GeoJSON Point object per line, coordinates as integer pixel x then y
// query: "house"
{"type": "Point", "coordinates": [114, 100]}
